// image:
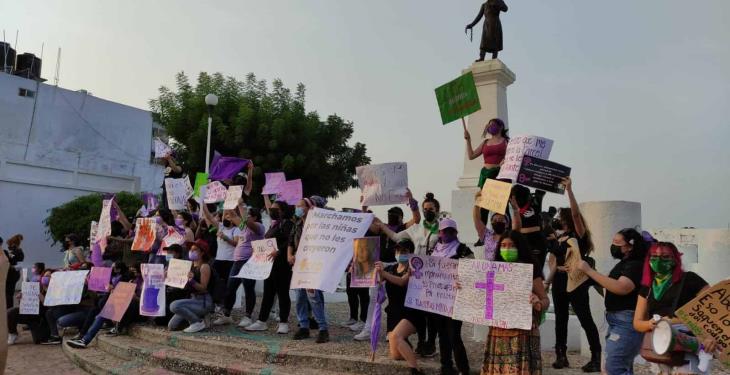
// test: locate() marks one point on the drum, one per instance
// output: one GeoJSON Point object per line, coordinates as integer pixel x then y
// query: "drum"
{"type": "Point", "coordinates": [671, 338]}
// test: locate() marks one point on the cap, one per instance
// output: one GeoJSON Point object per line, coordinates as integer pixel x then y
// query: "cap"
{"type": "Point", "coordinates": [406, 244]}
{"type": "Point", "coordinates": [447, 223]}
{"type": "Point", "coordinates": [200, 244]}
{"type": "Point", "coordinates": [174, 248]}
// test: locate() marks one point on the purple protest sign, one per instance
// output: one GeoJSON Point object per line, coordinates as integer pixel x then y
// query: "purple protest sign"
{"type": "Point", "coordinates": [291, 191]}
{"type": "Point", "coordinates": [431, 287]}
{"type": "Point", "coordinates": [273, 182]}
{"type": "Point", "coordinates": [99, 278]}
{"type": "Point", "coordinates": [225, 167]}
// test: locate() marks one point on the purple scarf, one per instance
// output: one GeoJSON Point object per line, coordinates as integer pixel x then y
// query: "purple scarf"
{"type": "Point", "coordinates": [446, 250]}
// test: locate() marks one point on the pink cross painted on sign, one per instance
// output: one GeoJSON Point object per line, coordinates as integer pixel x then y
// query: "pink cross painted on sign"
{"type": "Point", "coordinates": [490, 287]}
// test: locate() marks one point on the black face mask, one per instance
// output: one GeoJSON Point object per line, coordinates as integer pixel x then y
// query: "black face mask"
{"type": "Point", "coordinates": [499, 227]}
{"type": "Point", "coordinates": [556, 224]}
{"type": "Point", "coordinates": [227, 223]}
{"type": "Point", "coordinates": [616, 252]}
{"type": "Point", "coordinates": [274, 214]}
{"type": "Point", "coordinates": [429, 215]}
{"type": "Point", "coordinates": [393, 219]}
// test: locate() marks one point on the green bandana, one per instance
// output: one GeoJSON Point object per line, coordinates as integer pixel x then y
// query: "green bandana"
{"type": "Point", "coordinates": [509, 254]}
{"type": "Point", "coordinates": [660, 285]}
{"type": "Point", "coordinates": [431, 227]}
{"type": "Point", "coordinates": [661, 266]}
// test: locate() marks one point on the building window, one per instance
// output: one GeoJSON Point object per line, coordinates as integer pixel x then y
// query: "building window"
{"type": "Point", "coordinates": [26, 93]}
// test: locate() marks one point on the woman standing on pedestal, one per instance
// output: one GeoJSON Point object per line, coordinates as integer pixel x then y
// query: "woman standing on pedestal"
{"type": "Point", "coordinates": [493, 149]}
{"type": "Point", "coordinates": [492, 31]}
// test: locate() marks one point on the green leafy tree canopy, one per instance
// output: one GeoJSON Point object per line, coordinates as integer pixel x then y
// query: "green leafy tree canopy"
{"type": "Point", "coordinates": [268, 126]}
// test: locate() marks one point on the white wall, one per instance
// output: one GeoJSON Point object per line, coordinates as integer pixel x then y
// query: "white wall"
{"type": "Point", "coordinates": [705, 251]}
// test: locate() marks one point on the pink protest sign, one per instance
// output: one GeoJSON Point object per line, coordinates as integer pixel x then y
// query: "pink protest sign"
{"type": "Point", "coordinates": [291, 191]}
{"type": "Point", "coordinates": [118, 301]}
{"type": "Point", "coordinates": [215, 192]}
{"type": "Point", "coordinates": [273, 182]}
{"type": "Point", "coordinates": [99, 278]}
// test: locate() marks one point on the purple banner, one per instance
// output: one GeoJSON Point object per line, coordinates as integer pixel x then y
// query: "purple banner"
{"type": "Point", "coordinates": [99, 278]}
{"type": "Point", "coordinates": [225, 167]}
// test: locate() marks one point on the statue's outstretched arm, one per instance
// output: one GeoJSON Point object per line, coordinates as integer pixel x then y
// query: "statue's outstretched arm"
{"type": "Point", "coordinates": [479, 17]}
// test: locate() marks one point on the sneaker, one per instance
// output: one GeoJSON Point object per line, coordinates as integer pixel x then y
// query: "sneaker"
{"type": "Point", "coordinates": [223, 320]}
{"type": "Point", "coordinates": [349, 323]}
{"type": "Point", "coordinates": [323, 337]}
{"type": "Point", "coordinates": [245, 322]}
{"type": "Point", "coordinates": [53, 340]}
{"type": "Point", "coordinates": [195, 327]}
{"type": "Point", "coordinates": [357, 327]}
{"type": "Point", "coordinates": [283, 328]}
{"type": "Point", "coordinates": [77, 344]}
{"type": "Point", "coordinates": [257, 326]}
{"type": "Point", "coordinates": [114, 332]}
{"type": "Point", "coordinates": [428, 350]}
{"type": "Point", "coordinates": [362, 336]}
{"type": "Point", "coordinates": [12, 338]}
{"type": "Point", "coordinates": [79, 336]}
{"type": "Point", "coordinates": [302, 333]}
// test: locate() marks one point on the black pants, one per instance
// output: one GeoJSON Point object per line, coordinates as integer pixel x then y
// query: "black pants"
{"type": "Point", "coordinates": [277, 285]}
{"type": "Point", "coordinates": [223, 269]}
{"type": "Point", "coordinates": [355, 297]}
{"type": "Point", "coordinates": [249, 290]}
{"type": "Point", "coordinates": [450, 343]}
{"type": "Point", "coordinates": [427, 333]}
{"type": "Point", "coordinates": [578, 298]}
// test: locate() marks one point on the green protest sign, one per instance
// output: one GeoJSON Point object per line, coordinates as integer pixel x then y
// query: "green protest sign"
{"type": "Point", "coordinates": [458, 98]}
{"type": "Point", "coordinates": [200, 180]}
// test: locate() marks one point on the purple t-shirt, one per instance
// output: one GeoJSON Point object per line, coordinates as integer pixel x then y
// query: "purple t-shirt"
{"type": "Point", "coordinates": [244, 250]}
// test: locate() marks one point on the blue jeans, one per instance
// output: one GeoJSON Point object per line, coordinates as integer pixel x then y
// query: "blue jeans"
{"type": "Point", "coordinates": [94, 329]}
{"type": "Point", "coordinates": [190, 310]}
{"type": "Point", "coordinates": [623, 343]}
{"type": "Point", "coordinates": [316, 299]}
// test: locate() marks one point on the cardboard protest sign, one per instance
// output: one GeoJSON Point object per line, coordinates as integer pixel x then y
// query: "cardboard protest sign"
{"type": "Point", "coordinates": [573, 258]}
{"type": "Point", "coordinates": [366, 252]}
{"type": "Point", "coordinates": [519, 147]}
{"type": "Point", "coordinates": [162, 150]}
{"type": "Point", "coordinates": [30, 302]}
{"type": "Point", "coordinates": [99, 278]}
{"type": "Point", "coordinates": [495, 294]}
{"type": "Point", "coordinates": [177, 273]}
{"type": "Point", "coordinates": [273, 183]}
{"type": "Point", "coordinates": [495, 196]}
{"type": "Point", "coordinates": [145, 234]}
{"type": "Point", "coordinates": [325, 249]}
{"type": "Point", "coordinates": [233, 194]}
{"type": "Point", "coordinates": [173, 237]}
{"type": "Point", "coordinates": [543, 174]}
{"type": "Point", "coordinates": [201, 179]}
{"type": "Point", "coordinates": [383, 184]}
{"type": "Point", "coordinates": [215, 192]}
{"type": "Point", "coordinates": [65, 288]}
{"type": "Point", "coordinates": [178, 191]}
{"type": "Point", "coordinates": [458, 98]}
{"type": "Point", "coordinates": [259, 266]}
{"type": "Point", "coordinates": [708, 315]}
{"type": "Point", "coordinates": [291, 191]}
{"type": "Point", "coordinates": [118, 302]}
{"type": "Point", "coordinates": [432, 285]}
{"type": "Point", "coordinates": [104, 226]}
{"type": "Point", "coordinates": [152, 300]}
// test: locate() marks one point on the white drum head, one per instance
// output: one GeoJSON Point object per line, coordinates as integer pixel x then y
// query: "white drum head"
{"type": "Point", "coordinates": [662, 338]}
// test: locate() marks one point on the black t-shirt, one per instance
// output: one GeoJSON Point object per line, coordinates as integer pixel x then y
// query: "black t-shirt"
{"type": "Point", "coordinates": [281, 232]}
{"type": "Point", "coordinates": [631, 268]}
{"type": "Point", "coordinates": [387, 246]}
{"type": "Point", "coordinates": [693, 283]}
{"type": "Point", "coordinates": [561, 250]}
{"type": "Point", "coordinates": [396, 294]}
{"type": "Point", "coordinates": [296, 235]}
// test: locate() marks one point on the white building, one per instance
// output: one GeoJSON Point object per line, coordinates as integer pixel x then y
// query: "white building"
{"type": "Point", "coordinates": [704, 251]}
{"type": "Point", "coordinates": [57, 144]}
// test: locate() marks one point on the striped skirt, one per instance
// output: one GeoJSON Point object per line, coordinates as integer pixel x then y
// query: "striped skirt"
{"type": "Point", "coordinates": [513, 351]}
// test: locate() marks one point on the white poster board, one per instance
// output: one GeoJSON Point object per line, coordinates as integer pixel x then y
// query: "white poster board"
{"type": "Point", "coordinates": [383, 184]}
{"type": "Point", "coordinates": [259, 266]}
{"type": "Point", "coordinates": [152, 301]}
{"type": "Point", "coordinates": [161, 149]}
{"type": "Point", "coordinates": [177, 273]}
{"type": "Point", "coordinates": [517, 148]}
{"type": "Point", "coordinates": [233, 194]}
{"type": "Point", "coordinates": [215, 192]}
{"type": "Point", "coordinates": [65, 288]}
{"type": "Point", "coordinates": [178, 191]}
{"type": "Point", "coordinates": [432, 286]}
{"type": "Point", "coordinates": [30, 302]}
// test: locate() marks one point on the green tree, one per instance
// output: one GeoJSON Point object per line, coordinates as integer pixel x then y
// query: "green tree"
{"type": "Point", "coordinates": [75, 216]}
{"type": "Point", "coordinates": [267, 125]}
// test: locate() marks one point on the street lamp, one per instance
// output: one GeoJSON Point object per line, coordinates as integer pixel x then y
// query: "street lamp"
{"type": "Point", "coordinates": [210, 100]}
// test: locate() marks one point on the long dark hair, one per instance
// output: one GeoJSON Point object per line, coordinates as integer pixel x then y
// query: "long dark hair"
{"type": "Point", "coordinates": [639, 247]}
{"type": "Point", "coordinates": [285, 210]}
{"type": "Point", "coordinates": [524, 254]}
{"type": "Point", "coordinates": [566, 217]}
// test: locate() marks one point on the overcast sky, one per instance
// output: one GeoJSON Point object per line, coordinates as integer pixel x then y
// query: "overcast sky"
{"type": "Point", "coordinates": [636, 94]}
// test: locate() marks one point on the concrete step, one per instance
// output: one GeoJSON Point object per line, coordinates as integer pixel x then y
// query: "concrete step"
{"type": "Point", "coordinates": [95, 361]}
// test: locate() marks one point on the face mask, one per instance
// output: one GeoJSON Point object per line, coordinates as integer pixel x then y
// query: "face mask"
{"type": "Point", "coordinates": [556, 224]}
{"type": "Point", "coordinates": [393, 219]}
{"type": "Point", "coordinates": [493, 129]}
{"type": "Point", "coordinates": [661, 266]}
{"type": "Point", "coordinates": [34, 271]}
{"type": "Point", "coordinates": [227, 223]}
{"type": "Point", "coordinates": [509, 254]}
{"type": "Point", "coordinates": [168, 257]}
{"type": "Point", "coordinates": [45, 280]}
{"type": "Point", "coordinates": [429, 215]}
{"type": "Point", "coordinates": [274, 214]}
{"type": "Point", "coordinates": [193, 255]}
{"type": "Point", "coordinates": [402, 258]}
{"type": "Point", "coordinates": [499, 227]}
{"type": "Point", "coordinates": [616, 252]}
{"type": "Point", "coordinates": [299, 212]}
{"type": "Point", "coordinates": [179, 223]}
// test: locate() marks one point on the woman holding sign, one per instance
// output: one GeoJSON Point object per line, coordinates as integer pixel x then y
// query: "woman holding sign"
{"type": "Point", "coordinates": [493, 149]}
{"type": "Point", "coordinates": [199, 285]}
{"type": "Point", "coordinates": [664, 288]}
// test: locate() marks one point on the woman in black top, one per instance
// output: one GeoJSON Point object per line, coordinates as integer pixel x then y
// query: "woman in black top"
{"type": "Point", "coordinates": [277, 285]}
{"type": "Point", "coordinates": [172, 170]}
{"type": "Point", "coordinates": [664, 288]}
{"type": "Point", "coordinates": [529, 207]}
{"type": "Point", "coordinates": [622, 289]}
{"type": "Point", "coordinates": [573, 226]}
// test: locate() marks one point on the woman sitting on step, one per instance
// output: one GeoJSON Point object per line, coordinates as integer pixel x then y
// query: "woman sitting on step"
{"type": "Point", "coordinates": [200, 285]}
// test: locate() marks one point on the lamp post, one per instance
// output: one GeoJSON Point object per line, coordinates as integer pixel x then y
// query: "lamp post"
{"type": "Point", "coordinates": [210, 100]}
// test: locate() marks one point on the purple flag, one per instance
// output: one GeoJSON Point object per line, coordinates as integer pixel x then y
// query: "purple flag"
{"type": "Point", "coordinates": [225, 167]}
{"type": "Point", "coordinates": [375, 328]}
